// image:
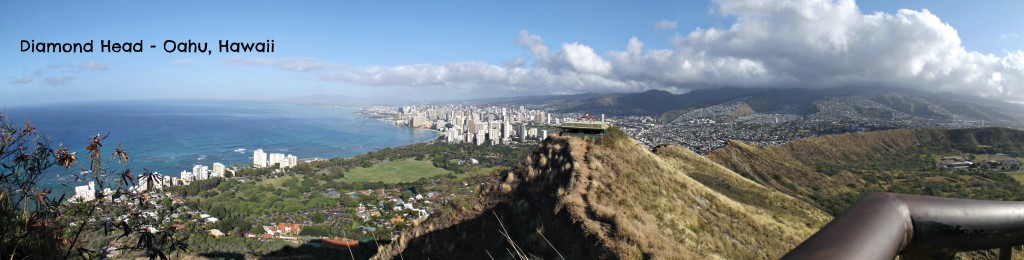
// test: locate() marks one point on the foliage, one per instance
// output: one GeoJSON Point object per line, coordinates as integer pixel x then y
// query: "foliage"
{"type": "Point", "coordinates": [35, 225]}
{"type": "Point", "coordinates": [30, 220]}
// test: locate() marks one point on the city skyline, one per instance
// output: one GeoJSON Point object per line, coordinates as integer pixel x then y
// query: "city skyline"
{"type": "Point", "coordinates": [366, 52]}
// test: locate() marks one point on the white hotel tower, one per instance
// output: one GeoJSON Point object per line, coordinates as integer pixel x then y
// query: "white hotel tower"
{"type": "Point", "coordinates": [259, 158]}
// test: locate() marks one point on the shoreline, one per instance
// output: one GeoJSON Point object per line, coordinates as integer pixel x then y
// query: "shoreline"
{"type": "Point", "coordinates": [170, 164]}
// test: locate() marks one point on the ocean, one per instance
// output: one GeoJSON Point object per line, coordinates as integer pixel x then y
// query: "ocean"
{"type": "Point", "coordinates": [171, 136]}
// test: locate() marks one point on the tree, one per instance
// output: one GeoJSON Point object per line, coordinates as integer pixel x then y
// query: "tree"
{"type": "Point", "coordinates": [317, 218]}
{"type": "Point", "coordinates": [33, 223]}
{"type": "Point", "coordinates": [29, 217]}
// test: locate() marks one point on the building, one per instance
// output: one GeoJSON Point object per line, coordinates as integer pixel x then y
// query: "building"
{"type": "Point", "coordinates": [86, 192]}
{"type": "Point", "coordinates": [187, 177]}
{"type": "Point", "coordinates": [259, 158]}
{"type": "Point", "coordinates": [522, 133]}
{"type": "Point", "coordinates": [276, 158]}
{"type": "Point", "coordinates": [200, 172]}
{"type": "Point", "coordinates": [584, 129]}
{"type": "Point", "coordinates": [418, 120]}
{"type": "Point", "coordinates": [285, 228]}
{"type": "Point", "coordinates": [218, 170]}
{"type": "Point", "coordinates": [216, 233]}
{"type": "Point", "coordinates": [958, 165]}
{"type": "Point", "coordinates": [283, 161]}
{"type": "Point", "coordinates": [157, 180]}
{"type": "Point", "coordinates": [506, 130]}
{"type": "Point", "coordinates": [479, 138]}
{"type": "Point", "coordinates": [289, 161]}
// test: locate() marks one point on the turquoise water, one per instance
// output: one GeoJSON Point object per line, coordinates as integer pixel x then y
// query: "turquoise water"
{"type": "Point", "coordinates": [171, 136]}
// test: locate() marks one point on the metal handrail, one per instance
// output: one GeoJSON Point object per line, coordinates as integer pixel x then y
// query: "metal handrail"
{"type": "Point", "coordinates": [884, 225]}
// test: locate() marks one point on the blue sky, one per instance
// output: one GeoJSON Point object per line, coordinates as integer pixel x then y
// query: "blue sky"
{"type": "Point", "coordinates": [422, 50]}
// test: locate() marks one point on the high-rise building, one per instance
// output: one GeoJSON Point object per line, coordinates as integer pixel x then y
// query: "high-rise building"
{"type": "Point", "coordinates": [494, 136]}
{"type": "Point", "coordinates": [276, 158]}
{"type": "Point", "coordinates": [199, 172]}
{"type": "Point", "coordinates": [86, 192]}
{"type": "Point", "coordinates": [522, 133]}
{"type": "Point", "coordinates": [506, 130]}
{"type": "Point", "coordinates": [418, 120]}
{"type": "Point", "coordinates": [218, 170]}
{"type": "Point", "coordinates": [259, 158]}
{"type": "Point", "coordinates": [187, 177]}
{"type": "Point", "coordinates": [157, 180]}
{"type": "Point", "coordinates": [289, 161]}
{"type": "Point", "coordinates": [543, 135]}
{"type": "Point", "coordinates": [479, 138]}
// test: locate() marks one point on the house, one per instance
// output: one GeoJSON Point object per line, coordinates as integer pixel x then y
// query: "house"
{"type": "Point", "coordinates": [286, 228]}
{"type": "Point", "coordinates": [176, 200]}
{"type": "Point", "coordinates": [397, 219]}
{"type": "Point", "coordinates": [332, 193]}
{"type": "Point", "coordinates": [958, 164]}
{"type": "Point", "coordinates": [216, 233]}
{"type": "Point", "coordinates": [375, 213]}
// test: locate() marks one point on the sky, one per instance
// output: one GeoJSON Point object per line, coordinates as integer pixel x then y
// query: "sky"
{"type": "Point", "coordinates": [401, 51]}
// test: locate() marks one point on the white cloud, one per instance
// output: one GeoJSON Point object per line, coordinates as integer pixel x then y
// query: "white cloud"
{"type": "Point", "coordinates": [92, 65]}
{"type": "Point", "coordinates": [797, 43]}
{"type": "Point", "coordinates": [183, 62]}
{"type": "Point", "coordinates": [58, 80]}
{"type": "Point", "coordinates": [1007, 36]}
{"type": "Point", "coordinates": [292, 64]}
{"type": "Point", "coordinates": [583, 59]}
{"type": "Point", "coordinates": [665, 25]}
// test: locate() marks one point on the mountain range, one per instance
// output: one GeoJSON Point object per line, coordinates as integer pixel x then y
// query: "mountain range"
{"type": "Point", "coordinates": [866, 102]}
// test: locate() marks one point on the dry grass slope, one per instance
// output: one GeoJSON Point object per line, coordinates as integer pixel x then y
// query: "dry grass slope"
{"type": "Point", "coordinates": [615, 199]}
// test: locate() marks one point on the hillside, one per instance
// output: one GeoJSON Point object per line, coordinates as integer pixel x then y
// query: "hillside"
{"type": "Point", "coordinates": [615, 199]}
{"type": "Point", "coordinates": [833, 171]}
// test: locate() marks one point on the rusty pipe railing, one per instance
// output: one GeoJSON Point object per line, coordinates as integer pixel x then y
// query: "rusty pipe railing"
{"type": "Point", "coordinates": [884, 225]}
